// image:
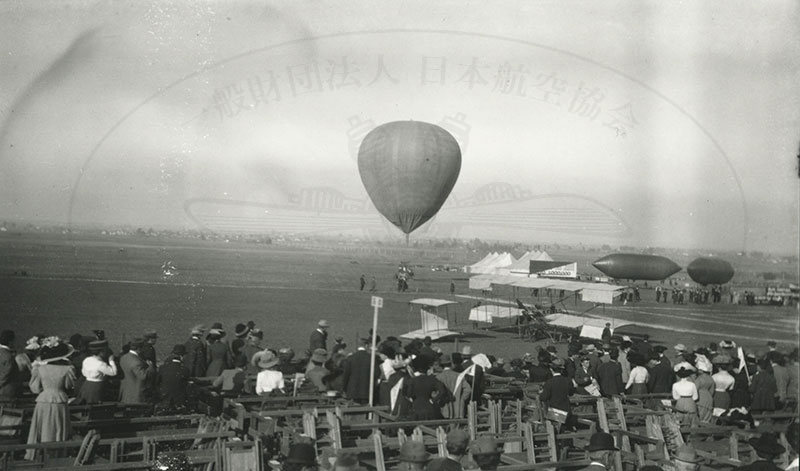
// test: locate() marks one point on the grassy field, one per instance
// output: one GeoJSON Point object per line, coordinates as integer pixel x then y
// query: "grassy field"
{"type": "Point", "coordinates": [116, 285]}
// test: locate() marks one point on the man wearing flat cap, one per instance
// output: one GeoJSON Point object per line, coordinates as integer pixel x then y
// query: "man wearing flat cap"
{"type": "Point", "coordinates": [136, 374]}
{"type": "Point", "coordinates": [319, 338]}
{"type": "Point", "coordinates": [601, 450]}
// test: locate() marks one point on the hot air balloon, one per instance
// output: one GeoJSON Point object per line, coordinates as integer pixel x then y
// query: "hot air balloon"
{"type": "Point", "coordinates": [708, 271]}
{"type": "Point", "coordinates": [408, 169]}
{"type": "Point", "coordinates": [636, 266]}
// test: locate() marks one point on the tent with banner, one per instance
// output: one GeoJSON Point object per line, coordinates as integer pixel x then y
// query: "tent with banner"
{"type": "Point", "coordinates": [434, 319]}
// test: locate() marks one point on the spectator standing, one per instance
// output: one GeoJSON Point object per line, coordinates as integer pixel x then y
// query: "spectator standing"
{"type": "Point", "coordinates": [357, 373]}
{"type": "Point", "coordinates": [95, 369]}
{"type": "Point", "coordinates": [684, 392]}
{"type": "Point", "coordinates": [136, 375]}
{"type": "Point", "coordinates": [217, 354]}
{"type": "Point", "coordinates": [173, 379]}
{"type": "Point", "coordinates": [9, 371]}
{"type": "Point", "coordinates": [723, 382]}
{"type": "Point", "coordinates": [609, 376]}
{"type": "Point", "coordinates": [50, 379]}
{"type": "Point", "coordinates": [319, 338]}
{"type": "Point", "coordinates": [195, 358]}
{"type": "Point", "coordinates": [763, 388]}
{"type": "Point", "coordinates": [556, 392]}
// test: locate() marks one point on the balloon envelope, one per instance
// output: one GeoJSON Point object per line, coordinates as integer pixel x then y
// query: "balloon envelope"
{"type": "Point", "coordinates": [636, 266]}
{"type": "Point", "coordinates": [707, 271]}
{"type": "Point", "coordinates": [408, 169]}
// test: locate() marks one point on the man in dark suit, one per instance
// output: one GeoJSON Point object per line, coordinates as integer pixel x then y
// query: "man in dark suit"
{"type": "Point", "coordinates": [319, 338]}
{"type": "Point", "coordinates": [136, 374]}
{"type": "Point", "coordinates": [196, 361]}
{"type": "Point", "coordinates": [148, 353]}
{"type": "Point", "coordinates": [660, 375]}
{"type": "Point", "coordinates": [173, 378]}
{"type": "Point", "coordinates": [356, 373]}
{"type": "Point", "coordinates": [556, 391]}
{"type": "Point", "coordinates": [609, 375]}
{"type": "Point", "coordinates": [9, 371]}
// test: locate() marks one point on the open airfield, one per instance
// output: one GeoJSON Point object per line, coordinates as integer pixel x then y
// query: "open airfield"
{"type": "Point", "coordinates": [116, 284]}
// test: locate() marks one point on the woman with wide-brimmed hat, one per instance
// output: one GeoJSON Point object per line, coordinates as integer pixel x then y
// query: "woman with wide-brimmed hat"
{"type": "Point", "coordinates": [51, 377]}
{"type": "Point", "coordinates": [268, 380]}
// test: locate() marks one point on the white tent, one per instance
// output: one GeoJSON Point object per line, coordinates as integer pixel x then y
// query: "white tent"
{"type": "Point", "coordinates": [479, 263]}
{"type": "Point", "coordinates": [491, 265]}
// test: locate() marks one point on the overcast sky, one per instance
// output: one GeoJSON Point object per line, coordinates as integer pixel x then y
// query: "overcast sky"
{"type": "Point", "coordinates": [636, 123]}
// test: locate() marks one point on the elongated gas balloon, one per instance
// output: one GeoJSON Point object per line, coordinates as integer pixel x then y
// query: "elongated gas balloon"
{"type": "Point", "coordinates": [408, 169]}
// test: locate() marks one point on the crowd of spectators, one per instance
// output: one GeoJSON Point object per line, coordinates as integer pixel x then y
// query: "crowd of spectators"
{"type": "Point", "coordinates": [706, 384]}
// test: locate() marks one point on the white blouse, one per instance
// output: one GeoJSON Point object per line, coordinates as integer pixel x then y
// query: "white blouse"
{"type": "Point", "coordinates": [684, 388]}
{"type": "Point", "coordinates": [94, 369]}
{"type": "Point", "coordinates": [268, 380]}
{"type": "Point", "coordinates": [638, 375]}
{"type": "Point", "coordinates": [723, 380]}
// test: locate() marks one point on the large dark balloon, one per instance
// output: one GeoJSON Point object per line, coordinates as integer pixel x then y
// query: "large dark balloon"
{"type": "Point", "coordinates": [408, 169]}
{"type": "Point", "coordinates": [632, 266]}
{"type": "Point", "coordinates": [710, 271]}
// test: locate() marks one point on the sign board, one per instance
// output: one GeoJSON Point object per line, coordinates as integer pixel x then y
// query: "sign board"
{"type": "Point", "coordinates": [564, 271]}
{"type": "Point", "coordinates": [377, 301]}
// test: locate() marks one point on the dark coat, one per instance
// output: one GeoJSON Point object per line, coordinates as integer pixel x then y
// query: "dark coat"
{"type": "Point", "coordinates": [556, 392]}
{"type": "Point", "coordinates": [315, 376]}
{"type": "Point", "coordinates": [539, 373]}
{"type": "Point", "coordinates": [609, 377]}
{"type": "Point", "coordinates": [660, 378]}
{"type": "Point", "coordinates": [136, 375]}
{"type": "Point", "coordinates": [318, 340]}
{"type": "Point", "coordinates": [195, 359]}
{"type": "Point", "coordinates": [582, 378]}
{"type": "Point", "coordinates": [763, 389]}
{"type": "Point", "coordinates": [356, 376]}
{"type": "Point", "coordinates": [9, 375]}
{"type": "Point", "coordinates": [173, 381]}
{"type": "Point", "coordinates": [427, 395]}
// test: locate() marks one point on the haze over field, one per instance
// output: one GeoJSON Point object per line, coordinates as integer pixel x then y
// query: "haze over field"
{"type": "Point", "coordinates": [641, 123]}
